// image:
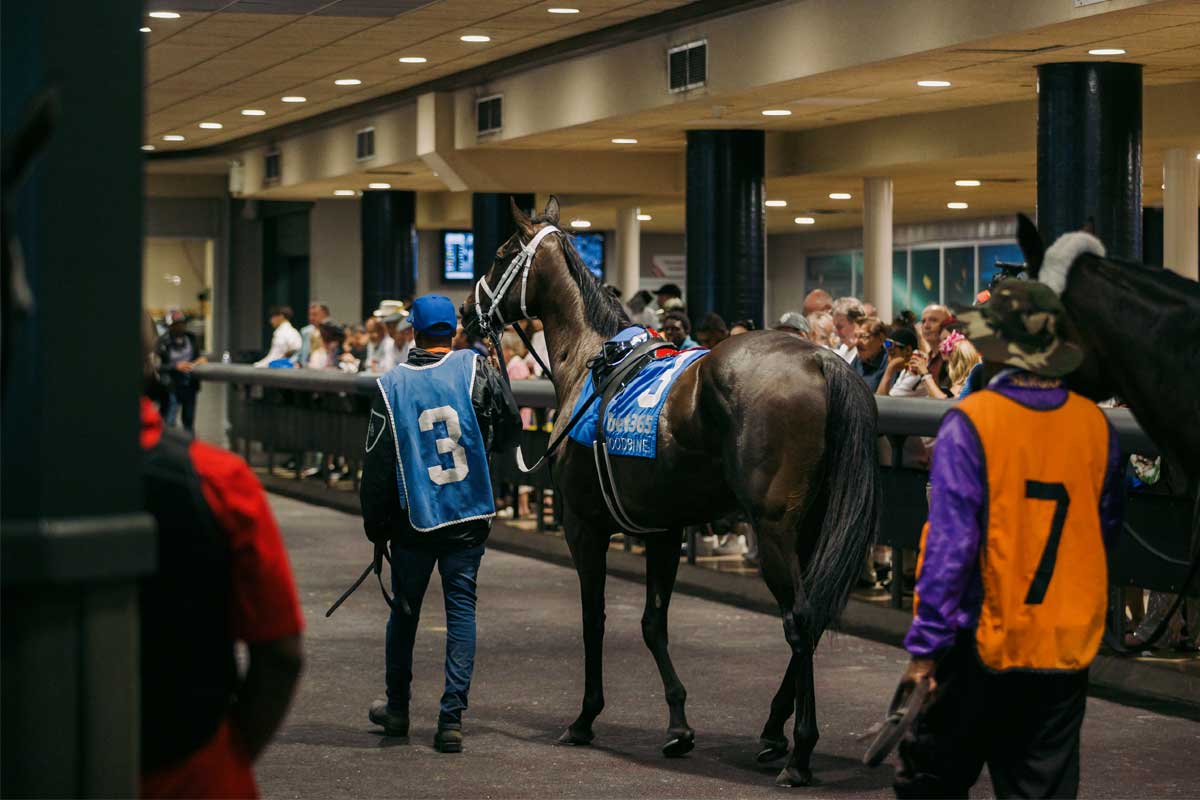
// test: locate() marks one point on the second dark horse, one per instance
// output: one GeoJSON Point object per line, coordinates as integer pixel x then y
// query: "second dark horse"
{"type": "Point", "coordinates": [767, 424]}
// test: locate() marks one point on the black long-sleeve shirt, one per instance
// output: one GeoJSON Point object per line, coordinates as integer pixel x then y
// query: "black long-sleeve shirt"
{"type": "Point", "coordinates": [383, 516]}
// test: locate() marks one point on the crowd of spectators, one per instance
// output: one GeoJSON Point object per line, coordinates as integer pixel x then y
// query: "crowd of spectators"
{"type": "Point", "coordinates": [927, 356]}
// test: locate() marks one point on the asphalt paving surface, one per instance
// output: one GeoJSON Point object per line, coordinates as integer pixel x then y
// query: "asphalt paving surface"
{"type": "Point", "coordinates": [528, 683]}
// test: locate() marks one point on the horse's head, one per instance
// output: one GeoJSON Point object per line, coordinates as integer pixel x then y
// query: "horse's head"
{"type": "Point", "coordinates": [514, 283]}
{"type": "Point", "coordinates": [1090, 378]}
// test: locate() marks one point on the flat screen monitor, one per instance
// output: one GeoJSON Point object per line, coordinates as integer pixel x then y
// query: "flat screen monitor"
{"type": "Point", "coordinates": [458, 255]}
{"type": "Point", "coordinates": [591, 250]}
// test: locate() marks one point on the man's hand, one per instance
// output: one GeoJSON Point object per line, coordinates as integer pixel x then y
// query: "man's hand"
{"type": "Point", "coordinates": [920, 669]}
{"type": "Point", "coordinates": [185, 366]}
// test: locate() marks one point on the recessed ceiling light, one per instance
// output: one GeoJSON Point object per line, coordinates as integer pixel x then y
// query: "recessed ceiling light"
{"type": "Point", "coordinates": [933, 84]}
{"type": "Point", "coordinates": [563, 10]}
{"type": "Point", "coordinates": [253, 112]}
{"type": "Point", "coordinates": [144, 29]}
{"type": "Point", "coordinates": [413, 59]}
{"type": "Point", "coordinates": [624, 141]}
{"type": "Point", "coordinates": [776, 112]}
{"type": "Point", "coordinates": [294, 98]}
{"type": "Point", "coordinates": [347, 82]}
{"type": "Point", "coordinates": [475, 37]}
{"type": "Point", "coordinates": [805, 220]}
{"type": "Point", "coordinates": [956, 205]}
{"type": "Point", "coordinates": [1106, 51]}
{"type": "Point", "coordinates": [147, 147]}
{"type": "Point", "coordinates": [776, 204]}
{"type": "Point", "coordinates": [163, 15]}
{"type": "Point", "coordinates": [211, 126]}
{"type": "Point", "coordinates": [839, 195]}
{"type": "Point", "coordinates": [173, 137]}
{"type": "Point", "coordinates": [644, 217]}
{"type": "Point", "coordinates": [968, 182]}
{"type": "Point", "coordinates": [581, 223]}
{"type": "Point", "coordinates": [379, 186]}
{"type": "Point", "coordinates": [344, 192]}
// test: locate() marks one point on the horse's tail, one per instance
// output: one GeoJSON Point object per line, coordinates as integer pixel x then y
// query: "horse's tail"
{"type": "Point", "coordinates": [852, 494]}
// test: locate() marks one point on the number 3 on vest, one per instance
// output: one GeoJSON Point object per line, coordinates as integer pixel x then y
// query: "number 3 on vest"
{"type": "Point", "coordinates": [445, 444]}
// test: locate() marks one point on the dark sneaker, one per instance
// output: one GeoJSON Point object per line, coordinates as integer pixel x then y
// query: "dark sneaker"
{"type": "Point", "coordinates": [448, 740]}
{"type": "Point", "coordinates": [395, 723]}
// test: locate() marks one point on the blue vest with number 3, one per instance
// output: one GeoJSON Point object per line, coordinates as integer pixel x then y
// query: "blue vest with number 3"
{"type": "Point", "coordinates": [442, 467]}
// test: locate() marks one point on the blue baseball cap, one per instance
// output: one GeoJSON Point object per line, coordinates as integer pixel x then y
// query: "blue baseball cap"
{"type": "Point", "coordinates": [434, 313]}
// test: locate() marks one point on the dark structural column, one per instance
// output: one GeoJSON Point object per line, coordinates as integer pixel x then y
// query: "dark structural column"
{"type": "Point", "coordinates": [1089, 150]}
{"type": "Point", "coordinates": [491, 219]}
{"type": "Point", "coordinates": [389, 263]}
{"type": "Point", "coordinates": [726, 229]}
{"type": "Point", "coordinates": [75, 539]}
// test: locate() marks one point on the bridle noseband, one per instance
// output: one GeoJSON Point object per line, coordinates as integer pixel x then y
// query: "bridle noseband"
{"type": "Point", "coordinates": [520, 265]}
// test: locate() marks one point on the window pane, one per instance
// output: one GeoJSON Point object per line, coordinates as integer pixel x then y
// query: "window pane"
{"type": "Point", "coordinates": [925, 288]}
{"type": "Point", "coordinates": [857, 288]}
{"type": "Point", "coordinates": [899, 282]}
{"type": "Point", "coordinates": [960, 276]}
{"type": "Point", "coordinates": [830, 272]}
{"type": "Point", "coordinates": [989, 254]}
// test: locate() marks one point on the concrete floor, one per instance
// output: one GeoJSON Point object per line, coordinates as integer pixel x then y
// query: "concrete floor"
{"type": "Point", "coordinates": [528, 681]}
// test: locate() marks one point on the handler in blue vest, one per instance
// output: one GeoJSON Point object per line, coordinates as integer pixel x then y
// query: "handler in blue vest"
{"type": "Point", "coordinates": [426, 491]}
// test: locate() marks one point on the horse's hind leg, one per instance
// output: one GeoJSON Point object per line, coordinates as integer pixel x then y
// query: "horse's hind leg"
{"type": "Point", "coordinates": [589, 552]}
{"type": "Point", "coordinates": [781, 569]}
{"type": "Point", "coordinates": [662, 565]}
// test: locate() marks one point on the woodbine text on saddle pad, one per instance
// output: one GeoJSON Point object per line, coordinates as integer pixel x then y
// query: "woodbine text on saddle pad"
{"type": "Point", "coordinates": [631, 423]}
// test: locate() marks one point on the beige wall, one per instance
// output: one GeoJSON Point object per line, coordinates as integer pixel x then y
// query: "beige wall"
{"type": "Point", "coordinates": [174, 272]}
{"type": "Point", "coordinates": [335, 266]}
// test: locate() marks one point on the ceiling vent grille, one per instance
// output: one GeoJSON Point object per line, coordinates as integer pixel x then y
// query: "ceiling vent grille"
{"type": "Point", "coordinates": [271, 166]}
{"type": "Point", "coordinates": [687, 66]}
{"type": "Point", "coordinates": [488, 116]}
{"type": "Point", "coordinates": [364, 144]}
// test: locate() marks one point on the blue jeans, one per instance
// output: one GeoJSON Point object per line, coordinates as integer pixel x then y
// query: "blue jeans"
{"type": "Point", "coordinates": [411, 569]}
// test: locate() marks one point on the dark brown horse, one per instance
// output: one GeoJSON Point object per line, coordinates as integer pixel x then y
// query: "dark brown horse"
{"type": "Point", "coordinates": [767, 424]}
{"type": "Point", "coordinates": [1140, 331]}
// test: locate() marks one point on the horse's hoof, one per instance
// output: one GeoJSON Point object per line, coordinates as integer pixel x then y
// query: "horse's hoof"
{"type": "Point", "coordinates": [576, 738]}
{"type": "Point", "coordinates": [679, 744]}
{"type": "Point", "coordinates": [794, 776]}
{"type": "Point", "coordinates": [772, 750]}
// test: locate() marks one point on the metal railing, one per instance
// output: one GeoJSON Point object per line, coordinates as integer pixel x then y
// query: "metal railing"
{"type": "Point", "coordinates": [297, 412]}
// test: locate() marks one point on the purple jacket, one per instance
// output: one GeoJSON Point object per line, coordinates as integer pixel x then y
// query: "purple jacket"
{"type": "Point", "coordinates": [950, 586]}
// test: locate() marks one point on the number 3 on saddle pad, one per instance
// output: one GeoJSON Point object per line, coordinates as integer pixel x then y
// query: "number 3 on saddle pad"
{"type": "Point", "coordinates": [631, 423]}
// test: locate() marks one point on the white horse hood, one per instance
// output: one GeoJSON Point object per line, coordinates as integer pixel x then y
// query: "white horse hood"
{"type": "Point", "coordinates": [1056, 264]}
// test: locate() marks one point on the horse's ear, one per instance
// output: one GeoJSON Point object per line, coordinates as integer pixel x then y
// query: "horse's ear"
{"type": "Point", "coordinates": [519, 217]}
{"type": "Point", "coordinates": [551, 212]}
{"type": "Point", "coordinates": [1031, 244]}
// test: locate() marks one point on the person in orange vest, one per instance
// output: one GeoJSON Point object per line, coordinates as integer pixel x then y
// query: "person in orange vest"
{"type": "Point", "coordinates": [1026, 494]}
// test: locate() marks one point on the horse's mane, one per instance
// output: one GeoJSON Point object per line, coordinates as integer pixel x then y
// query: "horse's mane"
{"type": "Point", "coordinates": [602, 311]}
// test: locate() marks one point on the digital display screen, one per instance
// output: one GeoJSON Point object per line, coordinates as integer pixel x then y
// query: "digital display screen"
{"type": "Point", "coordinates": [591, 250]}
{"type": "Point", "coordinates": [458, 255]}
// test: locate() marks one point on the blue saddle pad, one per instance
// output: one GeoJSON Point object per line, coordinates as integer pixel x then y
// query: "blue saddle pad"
{"type": "Point", "coordinates": [631, 424]}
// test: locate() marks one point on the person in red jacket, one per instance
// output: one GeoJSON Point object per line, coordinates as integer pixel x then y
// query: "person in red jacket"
{"type": "Point", "coordinates": [223, 576]}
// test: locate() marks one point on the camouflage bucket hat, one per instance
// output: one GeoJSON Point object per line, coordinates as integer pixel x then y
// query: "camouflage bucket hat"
{"type": "Point", "coordinates": [1021, 325]}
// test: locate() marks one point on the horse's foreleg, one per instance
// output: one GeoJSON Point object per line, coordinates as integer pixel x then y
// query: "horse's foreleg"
{"type": "Point", "coordinates": [589, 551]}
{"type": "Point", "coordinates": [662, 565]}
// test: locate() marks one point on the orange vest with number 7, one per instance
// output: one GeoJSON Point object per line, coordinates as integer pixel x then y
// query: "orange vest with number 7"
{"type": "Point", "coordinates": [1042, 556]}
